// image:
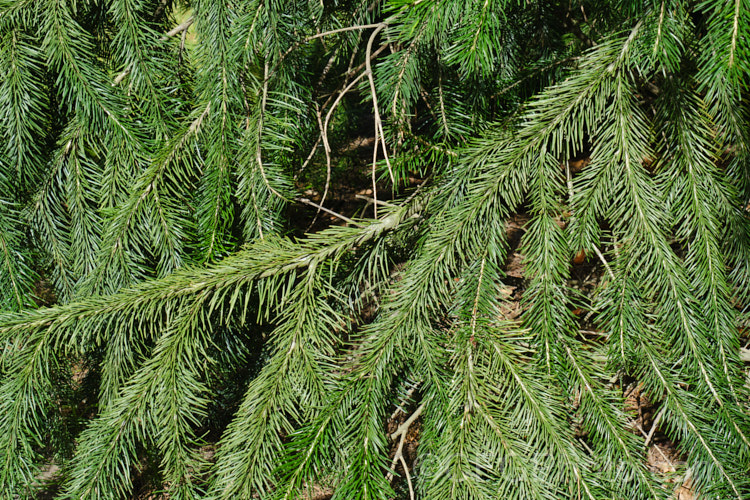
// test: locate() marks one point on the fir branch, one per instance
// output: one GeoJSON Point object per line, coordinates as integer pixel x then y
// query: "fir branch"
{"type": "Point", "coordinates": [290, 388]}
{"type": "Point", "coordinates": [25, 108]}
{"type": "Point", "coordinates": [166, 388]}
{"type": "Point", "coordinates": [114, 194]}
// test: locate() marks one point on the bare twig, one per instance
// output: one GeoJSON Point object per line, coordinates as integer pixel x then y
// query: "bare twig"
{"type": "Point", "coordinates": [344, 218]}
{"type": "Point", "coordinates": [177, 29]}
{"type": "Point", "coordinates": [443, 117]}
{"type": "Point", "coordinates": [604, 261]}
{"type": "Point", "coordinates": [378, 125]}
{"type": "Point", "coordinates": [408, 396]}
{"type": "Point", "coordinates": [364, 64]}
{"type": "Point", "coordinates": [321, 35]}
{"type": "Point", "coordinates": [328, 67]}
{"type": "Point", "coordinates": [182, 46]}
{"type": "Point", "coordinates": [328, 101]}
{"type": "Point", "coordinates": [401, 433]}
{"type": "Point", "coordinates": [309, 157]}
{"type": "Point", "coordinates": [330, 62]}
{"type": "Point", "coordinates": [323, 125]}
{"type": "Point", "coordinates": [424, 96]}
{"type": "Point", "coordinates": [119, 78]}
{"type": "Point", "coordinates": [378, 120]}
{"type": "Point", "coordinates": [345, 28]}
{"type": "Point", "coordinates": [666, 459]}
{"type": "Point", "coordinates": [596, 249]}
{"type": "Point", "coordinates": [419, 188]}
{"type": "Point", "coordinates": [374, 180]}
{"type": "Point", "coordinates": [370, 199]}
{"type": "Point", "coordinates": [653, 427]}
{"type": "Point", "coordinates": [335, 104]}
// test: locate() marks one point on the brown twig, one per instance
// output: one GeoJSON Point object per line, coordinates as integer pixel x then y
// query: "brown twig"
{"type": "Point", "coordinates": [378, 120]}
{"type": "Point", "coordinates": [183, 38]}
{"type": "Point", "coordinates": [344, 218]}
{"type": "Point", "coordinates": [419, 188]}
{"type": "Point", "coordinates": [177, 29]}
{"type": "Point", "coordinates": [570, 201]}
{"type": "Point", "coordinates": [401, 433]}
{"type": "Point", "coordinates": [321, 35]}
{"type": "Point", "coordinates": [653, 427]}
{"type": "Point", "coordinates": [370, 199]}
{"type": "Point", "coordinates": [349, 72]}
{"type": "Point", "coordinates": [378, 123]}
{"type": "Point", "coordinates": [323, 126]}
{"type": "Point", "coordinates": [345, 28]}
{"type": "Point", "coordinates": [374, 180]}
{"type": "Point", "coordinates": [406, 398]}
{"type": "Point", "coordinates": [309, 157]}
{"type": "Point", "coordinates": [324, 132]}
{"type": "Point", "coordinates": [666, 459]}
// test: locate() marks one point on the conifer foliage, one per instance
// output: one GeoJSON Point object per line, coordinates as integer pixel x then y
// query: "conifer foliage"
{"type": "Point", "coordinates": [167, 326]}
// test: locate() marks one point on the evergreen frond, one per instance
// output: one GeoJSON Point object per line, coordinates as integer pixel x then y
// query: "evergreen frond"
{"type": "Point", "coordinates": [194, 305]}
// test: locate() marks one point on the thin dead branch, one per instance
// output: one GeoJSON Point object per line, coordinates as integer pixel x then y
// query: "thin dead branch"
{"type": "Point", "coordinates": [401, 434]}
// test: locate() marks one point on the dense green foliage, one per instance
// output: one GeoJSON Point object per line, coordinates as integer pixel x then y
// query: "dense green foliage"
{"type": "Point", "coordinates": [193, 341]}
